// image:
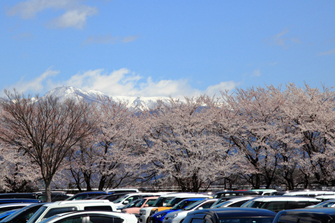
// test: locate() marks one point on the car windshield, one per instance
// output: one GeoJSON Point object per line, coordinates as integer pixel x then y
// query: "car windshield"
{"type": "Point", "coordinates": [120, 199]}
{"type": "Point", "coordinates": [325, 204]}
{"type": "Point", "coordinates": [183, 204]}
{"type": "Point", "coordinates": [192, 206]}
{"type": "Point", "coordinates": [37, 214]}
{"type": "Point", "coordinates": [24, 213]}
{"type": "Point", "coordinates": [221, 204]}
{"type": "Point", "coordinates": [140, 203]}
{"type": "Point", "coordinates": [161, 201]}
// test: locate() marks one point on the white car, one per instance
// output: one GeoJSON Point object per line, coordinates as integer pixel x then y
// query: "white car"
{"type": "Point", "coordinates": [309, 193]}
{"type": "Point", "coordinates": [234, 202]}
{"type": "Point", "coordinates": [179, 216]}
{"type": "Point", "coordinates": [52, 209]}
{"type": "Point", "coordinates": [128, 198]}
{"type": "Point", "coordinates": [92, 217]}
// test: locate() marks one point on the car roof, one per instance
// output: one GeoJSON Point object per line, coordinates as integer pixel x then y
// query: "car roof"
{"type": "Point", "coordinates": [285, 198]}
{"type": "Point", "coordinates": [70, 214]}
{"type": "Point", "coordinates": [78, 202]}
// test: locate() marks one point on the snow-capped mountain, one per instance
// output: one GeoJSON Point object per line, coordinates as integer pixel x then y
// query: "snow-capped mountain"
{"type": "Point", "coordinates": [90, 96]}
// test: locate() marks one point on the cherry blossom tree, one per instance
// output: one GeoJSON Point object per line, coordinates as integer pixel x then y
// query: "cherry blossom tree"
{"type": "Point", "coordinates": [253, 114]}
{"type": "Point", "coordinates": [18, 174]}
{"type": "Point", "coordinates": [44, 129]}
{"type": "Point", "coordinates": [313, 118]}
{"type": "Point", "coordinates": [181, 146]}
{"type": "Point", "coordinates": [116, 150]}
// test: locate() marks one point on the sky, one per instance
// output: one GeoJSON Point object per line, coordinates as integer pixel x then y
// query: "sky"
{"type": "Point", "coordinates": [165, 47]}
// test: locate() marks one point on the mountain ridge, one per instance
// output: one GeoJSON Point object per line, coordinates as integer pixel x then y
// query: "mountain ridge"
{"type": "Point", "coordinates": [91, 96]}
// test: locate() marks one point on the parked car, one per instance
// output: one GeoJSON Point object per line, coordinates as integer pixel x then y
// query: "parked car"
{"type": "Point", "coordinates": [160, 202]}
{"type": "Point", "coordinates": [131, 204]}
{"type": "Point", "coordinates": [11, 206]}
{"type": "Point", "coordinates": [231, 193]}
{"type": "Point", "coordinates": [265, 192]}
{"type": "Point", "coordinates": [306, 215]}
{"type": "Point", "coordinates": [159, 216]}
{"type": "Point", "coordinates": [22, 215]}
{"type": "Point", "coordinates": [55, 196]}
{"type": "Point", "coordinates": [92, 217]}
{"type": "Point", "coordinates": [17, 195]}
{"type": "Point", "coordinates": [7, 213]}
{"type": "Point", "coordinates": [325, 197]}
{"type": "Point", "coordinates": [86, 195]}
{"type": "Point", "coordinates": [179, 216]}
{"type": "Point", "coordinates": [122, 190]}
{"type": "Point", "coordinates": [233, 202]}
{"type": "Point", "coordinates": [19, 200]}
{"type": "Point", "coordinates": [111, 197]}
{"type": "Point", "coordinates": [135, 209]}
{"type": "Point", "coordinates": [309, 193]}
{"type": "Point", "coordinates": [278, 203]}
{"type": "Point", "coordinates": [126, 199]}
{"type": "Point", "coordinates": [230, 215]}
{"type": "Point", "coordinates": [325, 204]}
{"type": "Point", "coordinates": [177, 198]}
{"type": "Point", "coordinates": [54, 208]}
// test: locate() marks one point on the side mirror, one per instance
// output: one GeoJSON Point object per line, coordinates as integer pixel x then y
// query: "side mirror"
{"type": "Point", "coordinates": [146, 205]}
{"type": "Point", "coordinates": [125, 202]}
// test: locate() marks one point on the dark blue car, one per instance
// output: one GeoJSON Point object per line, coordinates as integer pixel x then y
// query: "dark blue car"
{"type": "Point", "coordinates": [159, 216]}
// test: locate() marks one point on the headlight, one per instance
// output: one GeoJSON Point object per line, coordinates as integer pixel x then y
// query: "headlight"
{"type": "Point", "coordinates": [142, 212]}
{"type": "Point", "coordinates": [160, 215]}
{"type": "Point", "coordinates": [174, 215]}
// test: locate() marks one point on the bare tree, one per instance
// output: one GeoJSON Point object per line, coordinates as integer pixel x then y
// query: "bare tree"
{"type": "Point", "coordinates": [45, 129]}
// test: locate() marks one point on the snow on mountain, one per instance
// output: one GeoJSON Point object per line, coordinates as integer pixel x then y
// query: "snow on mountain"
{"type": "Point", "coordinates": [90, 96]}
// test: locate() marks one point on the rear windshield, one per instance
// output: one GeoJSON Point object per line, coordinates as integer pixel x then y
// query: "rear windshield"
{"type": "Point", "coordinates": [98, 208]}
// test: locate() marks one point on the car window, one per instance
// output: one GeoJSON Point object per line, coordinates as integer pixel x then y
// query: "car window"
{"type": "Point", "coordinates": [54, 211]}
{"type": "Point", "coordinates": [75, 219]}
{"type": "Point", "coordinates": [151, 202]}
{"type": "Point", "coordinates": [207, 205]}
{"type": "Point", "coordinates": [275, 206]}
{"type": "Point", "coordinates": [313, 218]}
{"type": "Point", "coordinates": [98, 208]}
{"type": "Point", "coordinates": [237, 204]}
{"type": "Point", "coordinates": [100, 219]}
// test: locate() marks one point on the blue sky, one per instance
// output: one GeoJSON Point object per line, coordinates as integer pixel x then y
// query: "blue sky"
{"type": "Point", "coordinates": [165, 48]}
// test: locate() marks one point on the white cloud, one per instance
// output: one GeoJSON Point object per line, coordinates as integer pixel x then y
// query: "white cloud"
{"type": "Point", "coordinates": [217, 89]}
{"type": "Point", "coordinates": [74, 18]}
{"type": "Point", "coordinates": [120, 82]}
{"type": "Point", "coordinates": [332, 51]}
{"type": "Point", "coordinates": [256, 73]}
{"type": "Point", "coordinates": [75, 13]}
{"type": "Point", "coordinates": [108, 39]}
{"type": "Point", "coordinates": [280, 40]}
{"type": "Point", "coordinates": [36, 85]}
{"type": "Point", "coordinates": [101, 39]}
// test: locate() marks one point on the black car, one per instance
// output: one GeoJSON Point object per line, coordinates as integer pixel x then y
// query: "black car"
{"type": "Point", "coordinates": [307, 215]}
{"type": "Point", "coordinates": [230, 215]}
